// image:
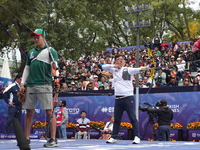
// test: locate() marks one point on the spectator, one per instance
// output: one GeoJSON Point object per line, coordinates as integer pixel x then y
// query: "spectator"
{"type": "Point", "coordinates": [160, 77]}
{"type": "Point", "coordinates": [145, 82]}
{"type": "Point", "coordinates": [61, 62]}
{"type": "Point", "coordinates": [94, 81]}
{"type": "Point", "coordinates": [172, 82]}
{"type": "Point", "coordinates": [141, 83]}
{"type": "Point", "coordinates": [82, 126]}
{"type": "Point", "coordinates": [186, 82]}
{"type": "Point", "coordinates": [195, 82]}
{"type": "Point", "coordinates": [103, 81]}
{"type": "Point", "coordinates": [181, 68]}
{"type": "Point", "coordinates": [63, 87]}
{"type": "Point", "coordinates": [62, 120]}
{"type": "Point", "coordinates": [106, 132]}
{"type": "Point", "coordinates": [74, 69]}
{"type": "Point", "coordinates": [73, 88]}
{"type": "Point", "coordinates": [99, 74]}
{"type": "Point", "coordinates": [187, 74]}
{"type": "Point", "coordinates": [165, 45]}
{"type": "Point", "coordinates": [156, 41]}
{"type": "Point", "coordinates": [148, 43]}
{"type": "Point", "coordinates": [90, 86]}
{"type": "Point", "coordinates": [168, 75]}
{"type": "Point", "coordinates": [101, 87]}
{"type": "Point", "coordinates": [189, 59]}
{"type": "Point", "coordinates": [102, 62]}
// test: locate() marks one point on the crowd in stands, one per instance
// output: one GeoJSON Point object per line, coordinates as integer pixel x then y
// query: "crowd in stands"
{"type": "Point", "coordinates": [173, 66]}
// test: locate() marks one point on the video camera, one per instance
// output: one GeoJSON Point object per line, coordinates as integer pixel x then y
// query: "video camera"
{"type": "Point", "coordinates": [145, 108]}
{"type": "Point", "coordinates": [151, 115]}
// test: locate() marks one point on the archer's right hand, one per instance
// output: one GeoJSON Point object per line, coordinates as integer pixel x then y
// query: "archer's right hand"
{"type": "Point", "coordinates": [22, 89]}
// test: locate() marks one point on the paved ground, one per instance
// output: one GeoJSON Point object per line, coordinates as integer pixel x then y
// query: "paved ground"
{"type": "Point", "coordinates": [101, 145]}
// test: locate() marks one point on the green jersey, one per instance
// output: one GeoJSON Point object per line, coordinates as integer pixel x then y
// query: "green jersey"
{"type": "Point", "coordinates": [40, 66]}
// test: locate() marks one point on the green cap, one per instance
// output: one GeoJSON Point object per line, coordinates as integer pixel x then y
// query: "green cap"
{"type": "Point", "coordinates": [166, 55]}
{"type": "Point", "coordinates": [38, 32]}
{"type": "Point", "coordinates": [101, 85]}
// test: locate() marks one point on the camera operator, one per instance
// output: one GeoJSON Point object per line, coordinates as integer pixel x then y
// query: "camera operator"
{"type": "Point", "coordinates": [165, 115]}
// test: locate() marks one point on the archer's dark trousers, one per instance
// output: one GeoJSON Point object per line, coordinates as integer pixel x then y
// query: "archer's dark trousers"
{"type": "Point", "coordinates": [13, 112]}
{"type": "Point", "coordinates": [121, 105]}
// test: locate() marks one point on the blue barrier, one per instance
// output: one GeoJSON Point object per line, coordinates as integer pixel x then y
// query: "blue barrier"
{"type": "Point", "coordinates": [184, 101]}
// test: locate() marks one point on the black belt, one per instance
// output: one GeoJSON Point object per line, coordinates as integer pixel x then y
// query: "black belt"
{"type": "Point", "coordinates": [120, 97]}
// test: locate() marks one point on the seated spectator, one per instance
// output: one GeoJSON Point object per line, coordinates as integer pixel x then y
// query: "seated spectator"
{"type": "Point", "coordinates": [145, 82]}
{"type": "Point", "coordinates": [198, 75]}
{"type": "Point", "coordinates": [74, 69]}
{"type": "Point", "coordinates": [162, 64]}
{"type": "Point", "coordinates": [106, 132]}
{"type": "Point", "coordinates": [141, 84]}
{"type": "Point", "coordinates": [187, 74]}
{"type": "Point", "coordinates": [167, 71]}
{"type": "Point", "coordinates": [103, 81]}
{"type": "Point", "coordinates": [94, 80]}
{"type": "Point", "coordinates": [99, 74]}
{"type": "Point", "coordinates": [61, 62]}
{"type": "Point", "coordinates": [181, 68]}
{"type": "Point", "coordinates": [73, 86]}
{"type": "Point", "coordinates": [64, 87]}
{"type": "Point", "coordinates": [186, 82]}
{"type": "Point", "coordinates": [195, 81]}
{"type": "Point", "coordinates": [164, 44]}
{"type": "Point", "coordinates": [160, 77]}
{"type": "Point", "coordinates": [172, 82]}
{"type": "Point", "coordinates": [82, 126]}
{"type": "Point", "coordinates": [101, 87]}
{"type": "Point", "coordinates": [189, 59]}
{"type": "Point", "coordinates": [90, 86]}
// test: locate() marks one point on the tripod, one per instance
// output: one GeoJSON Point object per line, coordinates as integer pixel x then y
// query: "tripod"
{"type": "Point", "coordinates": [151, 122]}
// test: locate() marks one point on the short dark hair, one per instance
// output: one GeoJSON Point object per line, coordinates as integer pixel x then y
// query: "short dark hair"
{"type": "Point", "coordinates": [83, 111]}
{"type": "Point", "coordinates": [19, 75]}
{"type": "Point", "coordinates": [117, 56]}
{"type": "Point", "coordinates": [64, 102]}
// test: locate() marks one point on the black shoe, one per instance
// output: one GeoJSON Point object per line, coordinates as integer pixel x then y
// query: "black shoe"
{"type": "Point", "coordinates": [51, 143]}
{"type": "Point", "coordinates": [28, 141]}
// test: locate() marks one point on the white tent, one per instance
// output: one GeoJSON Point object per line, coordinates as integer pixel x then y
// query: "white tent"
{"type": "Point", "coordinates": [5, 72]}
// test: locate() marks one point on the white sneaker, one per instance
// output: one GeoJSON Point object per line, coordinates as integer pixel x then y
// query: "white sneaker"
{"type": "Point", "coordinates": [111, 140]}
{"type": "Point", "coordinates": [136, 140]}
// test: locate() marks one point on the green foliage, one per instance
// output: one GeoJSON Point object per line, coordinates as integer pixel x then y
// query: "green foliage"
{"type": "Point", "coordinates": [80, 27]}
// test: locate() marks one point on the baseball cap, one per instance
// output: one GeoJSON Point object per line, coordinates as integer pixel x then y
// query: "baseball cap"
{"type": "Point", "coordinates": [172, 57]}
{"type": "Point", "coordinates": [101, 85]}
{"type": "Point", "coordinates": [166, 55]}
{"type": "Point", "coordinates": [163, 102]}
{"type": "Point", "coordinates": [38, 32]}
{"type": "Point", "coordinates": [95, 76]}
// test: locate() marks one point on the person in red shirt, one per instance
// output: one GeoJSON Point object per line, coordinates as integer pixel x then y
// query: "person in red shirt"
{"type": "Point", "coordinates": [164, 44]}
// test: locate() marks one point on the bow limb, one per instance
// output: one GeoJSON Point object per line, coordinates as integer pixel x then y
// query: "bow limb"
{"type": "Point", "coordinates": [54, 71]}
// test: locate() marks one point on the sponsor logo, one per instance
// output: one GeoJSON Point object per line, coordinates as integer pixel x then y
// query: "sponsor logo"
{"type": "Point", "coordinates": [174, 108]}
{"type": "Point", "coordinates": [194, 135]}
{"type": "Point", "coordinates": [172, 134]}
{"type": "Point", "coordinates": [73, 110]}
{"type": "Point", "coordinates": [107, 109]}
